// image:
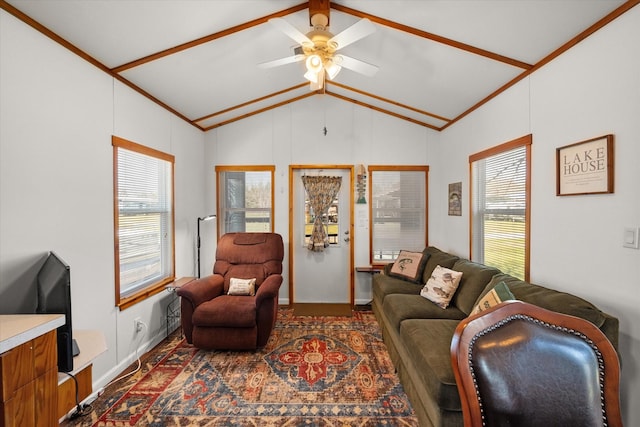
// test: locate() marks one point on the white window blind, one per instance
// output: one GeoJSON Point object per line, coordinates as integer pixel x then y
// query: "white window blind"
{"type": "Point", "coordinates": [398, 212]}
{"type": "Point", "coordinates": [499, 206]}
{"type": "Point", "coordinates": [145, 219]}
{"type": "Point", "coordinates": [245, 200]}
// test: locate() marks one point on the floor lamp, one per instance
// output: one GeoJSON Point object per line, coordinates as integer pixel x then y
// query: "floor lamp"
{"type": "Point", "coordinates": [206, 218]}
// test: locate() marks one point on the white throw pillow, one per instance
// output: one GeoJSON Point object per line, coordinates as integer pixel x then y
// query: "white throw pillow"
{"type": "Point", "coordinates": [441, 286]}
{"type": "Point", "coordinates": [242, 286]}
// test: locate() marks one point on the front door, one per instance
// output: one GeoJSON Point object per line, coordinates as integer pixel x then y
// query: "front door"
{"type": "Point", "coordinates": [321, 276]}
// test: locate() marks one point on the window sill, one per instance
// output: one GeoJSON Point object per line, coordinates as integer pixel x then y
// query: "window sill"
{"type": "Point", "coordinates": [147, 292]}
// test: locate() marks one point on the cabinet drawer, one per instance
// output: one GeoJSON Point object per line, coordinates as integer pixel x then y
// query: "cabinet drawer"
{"type": "Point", "coordinates": [19, 410]}
{"type": "Point", "coordinates": [45, 353]}
{"type": "Point", "coordinates": [16, 369]}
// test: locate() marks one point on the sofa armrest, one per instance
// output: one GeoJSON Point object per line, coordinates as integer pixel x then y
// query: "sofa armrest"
{"type": "Point", "coordinates": [202, 290]}
{"type": "Point", "coordinates": [268, 289]}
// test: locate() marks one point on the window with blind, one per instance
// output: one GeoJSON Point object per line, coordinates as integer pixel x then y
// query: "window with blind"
{"type": "Point", "coordinates": [500, 183]}
{"type": "Point", "coordinates": [245, 198]}
{"type": "Point", "coordinates": [398, 210]}
{"type": "Point", "coordinates": [144, 221]}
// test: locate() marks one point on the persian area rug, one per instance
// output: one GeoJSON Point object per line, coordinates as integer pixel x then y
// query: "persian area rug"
{"type": "Point", "coordinates": [314, 371]}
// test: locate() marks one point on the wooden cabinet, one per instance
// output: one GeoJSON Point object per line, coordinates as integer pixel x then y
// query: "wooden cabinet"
{"type": "Point", "coordinates": [29, 370]}
{"type": "Point", "coordinates": [67, 393]}
{"type": "Point", "coordinates": [29, 374]}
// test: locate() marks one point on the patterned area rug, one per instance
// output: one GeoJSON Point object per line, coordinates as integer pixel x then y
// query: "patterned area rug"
{"type": "Point", "coordinates": [317, 371]}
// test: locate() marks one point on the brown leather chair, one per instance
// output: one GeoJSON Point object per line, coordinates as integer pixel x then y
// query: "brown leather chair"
{"type": "Point", "coordinates": [517, 364]}
{"type": "Point", "coordinates": [213, 319]}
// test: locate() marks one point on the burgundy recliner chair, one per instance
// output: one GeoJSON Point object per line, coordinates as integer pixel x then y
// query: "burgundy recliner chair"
{"type": "Point", "coordinates": [213, 319]}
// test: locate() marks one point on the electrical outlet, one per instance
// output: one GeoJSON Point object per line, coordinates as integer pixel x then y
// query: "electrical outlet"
{"type": "Point", "coordinates": [631, 237]}
{"type": "Point", "coordinates": [137, 324]}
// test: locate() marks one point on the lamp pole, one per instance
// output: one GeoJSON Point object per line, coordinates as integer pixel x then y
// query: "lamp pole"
{"type": "Point", "coordinates": [206, 218]}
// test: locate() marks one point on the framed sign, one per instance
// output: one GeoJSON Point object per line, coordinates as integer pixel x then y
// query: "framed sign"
{"type": "Point", "coordinates": [455, 199]}
{"type": "Point", "coordinates": [585, 167]}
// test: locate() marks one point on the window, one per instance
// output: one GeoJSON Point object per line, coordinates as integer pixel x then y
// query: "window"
{"type": "Point", "coordinates": [144, 221]}
{"type": "Point", "coordinates": [330, 220]}
{"type": "Point", "coordinates": [245, 198]}
{"type": "Point", "coordinates": [398, 210]}
{"type": "Point", "coordinates": [500, 184]}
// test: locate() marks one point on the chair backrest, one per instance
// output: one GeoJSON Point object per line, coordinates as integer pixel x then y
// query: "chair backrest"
{"type": "Point", "coordinates": [249, 255]}
{"type": "Point", "coordinates": [517, 364]}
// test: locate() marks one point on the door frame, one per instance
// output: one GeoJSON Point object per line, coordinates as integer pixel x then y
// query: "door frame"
{"type": "Point", "coordinates": [292, 169]}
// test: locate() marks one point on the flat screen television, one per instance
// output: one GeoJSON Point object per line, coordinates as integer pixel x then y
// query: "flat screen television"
{"type": "Point", "coordinates": [54, 297]}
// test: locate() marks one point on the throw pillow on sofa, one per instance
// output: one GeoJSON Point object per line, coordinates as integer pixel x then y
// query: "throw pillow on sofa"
{"type": "Point", "coordinates": [241, 286]}
{"type": "Point", "coordinates": [409, 266]}
{"type": "Point", "coordinates": [441, 286]}
{"type": "Point", "coordinates": [495, 296]}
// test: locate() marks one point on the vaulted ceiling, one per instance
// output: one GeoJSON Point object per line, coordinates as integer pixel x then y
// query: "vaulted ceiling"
{"type": "Point", "coordinates": [436, 60]}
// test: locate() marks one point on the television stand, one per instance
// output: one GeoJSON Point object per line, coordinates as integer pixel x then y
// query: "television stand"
{"type": "Point", "coordinates": [93, 344]}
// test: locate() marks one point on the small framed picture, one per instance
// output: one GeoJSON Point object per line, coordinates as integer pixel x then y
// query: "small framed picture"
{"type": "Point", "coordinates": [455, 199]}
{"type": "Point", "coordinates": [585, 167]}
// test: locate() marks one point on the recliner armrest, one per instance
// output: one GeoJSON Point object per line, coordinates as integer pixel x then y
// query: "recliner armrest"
{"type": "Point", "coordinates": [269, 288]}
{"type": "Point", "coordinates": [202, 290]}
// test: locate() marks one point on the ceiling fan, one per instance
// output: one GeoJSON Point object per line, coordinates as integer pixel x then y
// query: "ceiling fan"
{"type": "Point", "coordinates": [318, 48]}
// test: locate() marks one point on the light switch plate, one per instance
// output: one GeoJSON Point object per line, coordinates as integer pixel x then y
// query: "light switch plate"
{"type": "Point", "coordinates": [630, 237]}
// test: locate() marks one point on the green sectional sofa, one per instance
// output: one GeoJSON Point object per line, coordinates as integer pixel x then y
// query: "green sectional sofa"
{"type": "Point", "coordinates": [418, 333]}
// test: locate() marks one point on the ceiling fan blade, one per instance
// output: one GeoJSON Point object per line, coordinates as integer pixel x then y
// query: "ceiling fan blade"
{"type": "Point", "coordinates": [359, 30]}
{"type": "Point", "coordinates": [356, 65]}
{"type": "Point", "coordinates": [290, 30]}
{"type": "Point", "coordinates": [281, 61]}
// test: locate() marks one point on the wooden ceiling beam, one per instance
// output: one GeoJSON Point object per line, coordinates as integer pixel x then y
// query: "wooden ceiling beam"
{"type": "Point", "coordinates": [208, 38]}
{"type": "Point", "coordinates": [90, 59]}
{"type": "Point", "coordinates": [382, 110]}
{"type": "Point", "coordinates": [319, 7]}
{"type": "Point", "coordinates": [253, 101]}
{"type": "Point", "coordinates": [432, 37]}
{"type": "Point", "coordinates": [260, 110]}
{"type": "Point", "coordinates": [620, 10]}
{"type": "Point", "coordinates": [388, 101]}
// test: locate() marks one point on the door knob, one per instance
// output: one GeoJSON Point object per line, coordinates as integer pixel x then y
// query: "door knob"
{"type": "Point", "coordinates": [346, 239]}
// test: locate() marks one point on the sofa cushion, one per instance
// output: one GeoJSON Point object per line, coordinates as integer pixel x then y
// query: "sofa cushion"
{"type": "Point", "coordinates": [441, 286]}
{"type": "Point", "coordinates": [428, 343]}
{"type": "Point", "coordinates": [409, 266]}
{"type": "Point", "coordinates": [399, 307]}
{"type": "Point", "coordinates": [384, 285]}
{"type": "Point", "coordinates": [474, 280]}
{"type": "Point", "coordinates": [437, 257]}
{"type": "Point", "coordinates": [550, 299]}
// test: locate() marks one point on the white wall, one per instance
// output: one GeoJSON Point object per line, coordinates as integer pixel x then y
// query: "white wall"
{"type": "Point", "coordinates": [57, 115]}
{"type": "Point", "coordinates": [293, 134]}
{"type": "Point", "coordinates": [576, 241]}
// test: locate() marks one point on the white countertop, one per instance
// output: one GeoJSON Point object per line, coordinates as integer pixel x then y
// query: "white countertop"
{"type": "Point", "coordinates": [17, 329]}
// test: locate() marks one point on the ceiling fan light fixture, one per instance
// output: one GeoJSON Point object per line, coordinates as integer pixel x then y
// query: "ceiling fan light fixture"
{"type": "Point", "coordinates": [332, 69]}
{"type": "Point", "coordinates": [312, 76]}
{"type": "Point", "coordinates": [319, 83]}
{"type": "Point", "coordinates": [314, 63]}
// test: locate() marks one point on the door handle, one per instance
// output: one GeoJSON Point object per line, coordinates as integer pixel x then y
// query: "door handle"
{"type": "Point", "coordinates": [346, 239]}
